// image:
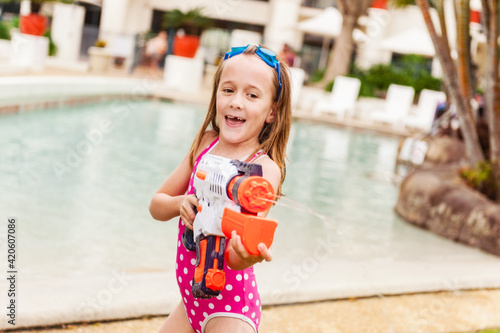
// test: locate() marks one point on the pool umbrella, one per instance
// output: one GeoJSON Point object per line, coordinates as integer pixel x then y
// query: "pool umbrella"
{"type": "Point", "coordinates": [327, 24]}
{"type": "Point", "coordinates": [410, 41]}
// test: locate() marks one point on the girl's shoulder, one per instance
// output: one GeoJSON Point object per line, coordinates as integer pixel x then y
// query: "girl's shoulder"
{"type": "Point", "coordinates": [271, 170]}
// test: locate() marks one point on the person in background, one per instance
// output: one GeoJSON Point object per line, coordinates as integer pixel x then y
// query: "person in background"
{"type": "Point", "coordinates": [156, 48]}
{"type": "Point", "coordinates": [287, 55]}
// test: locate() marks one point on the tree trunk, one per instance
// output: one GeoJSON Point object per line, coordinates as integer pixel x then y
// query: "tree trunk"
{"type": "Point", "coordinates": [463, 50]}
{"type": "Point", "coordinates": [490, 11]}
{"type": "Point", "coordinates": [444, 32]}
{"type": "Point", "coordinates": [467, 126]}
{"type": "Point", "coordinates": [340, 57]}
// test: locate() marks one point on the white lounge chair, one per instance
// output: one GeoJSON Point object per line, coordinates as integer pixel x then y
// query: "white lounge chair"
{"type": "Point", "coordinates": [423, 115]}
{"type": "Point", "coordinates": [397, 105]}
{"type": "Point", "coordinates": [342, 100]}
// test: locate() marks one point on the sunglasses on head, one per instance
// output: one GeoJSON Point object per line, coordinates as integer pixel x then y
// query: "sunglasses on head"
{"type": "Point", "coordinates": [268, 56]}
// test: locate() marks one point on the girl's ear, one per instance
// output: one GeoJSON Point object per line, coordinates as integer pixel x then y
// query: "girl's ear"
{"type": "Point", "coordinates": [272, 115]}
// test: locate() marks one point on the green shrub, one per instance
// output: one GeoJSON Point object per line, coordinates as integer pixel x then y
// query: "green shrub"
{"type": "Point", "coordinates": [481, 178]}
{"type": "Point", "coordinates": [409, 70]}
{"type": "Point", "coordinates": [15, 22]}
{"type": "Point", "coordinates": [317, 75]}
{"type": "Point", "coordinates": [4, 31]}
{"type": "Point", "coordinates": [52, 45]}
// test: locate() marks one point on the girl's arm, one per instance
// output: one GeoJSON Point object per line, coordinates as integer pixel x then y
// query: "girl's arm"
{"type": "Point", "coordinates": [237, 257]}
{"type": "Point", "coordinates": [170, 200]}
{"type": "Point", "coordinates": [166, 202]}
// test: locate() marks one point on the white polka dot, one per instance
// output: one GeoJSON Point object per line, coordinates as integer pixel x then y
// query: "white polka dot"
{"type": "Point", "coordinates": [245, 309]}
{"type": "Point", "coordinates": [193, 262]}
{"type": "Point", "coordinates": [229, 287]}
{"type": "Point", "coordinates": [205, 314]}
{"type": "Point", "coordinates": [180, 279]}
{"type": "Point", "coordinates": [253, 314]}
{"type": "Point", "coordinates": [185, 300]}
{"type": "Point", "coordinates": [257, 303]}
{"type": "Point", "coordinates": [211, 306]}
{"type": "Point", "coordinates": [179, 244]}
{"type": "Point", "coordinates": [192, 312]}
{"type": "Point", "coordinates": [250, 296]}
{"type": "Point", "coordinates": [185, 270]}
{"type": "Point", "coordinates": [253, 283]}
{"type": "Point", "coordinates": [186, 291]}
{"type": "Point", "coordinates": [246, 276]}
{"type": "Point", "coordinates": [182, 222]}
{"type": "Point", "coordinates": [219, 297]}
{"type": "Point", "coordinates": [228, 308]}
{"type": "Point", "coordinates": [181, 257]}
{"type": "Point", "coordinates": [198, 304]}
{"type": "Point", "coordinates": [238, 277]}
{"type": "Point", "coordinates": [190, 320]}
{"type": "Point", "coordinates": [237, 298]}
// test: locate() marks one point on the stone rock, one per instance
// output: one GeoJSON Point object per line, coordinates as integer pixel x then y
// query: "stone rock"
{"type": "Point", "coordinates": [434, 197]}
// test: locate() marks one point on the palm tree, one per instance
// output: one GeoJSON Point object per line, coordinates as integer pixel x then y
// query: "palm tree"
{"type": "Point", "coordinates": [491, 22]}
{"type": "Point", "coordinates": [459, 91]}
{"type": "Point", "coordinates": [339, 59]}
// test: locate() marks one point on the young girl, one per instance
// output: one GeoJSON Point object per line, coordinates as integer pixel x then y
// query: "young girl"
{"type": "Point", "coordinates": [250, 118]}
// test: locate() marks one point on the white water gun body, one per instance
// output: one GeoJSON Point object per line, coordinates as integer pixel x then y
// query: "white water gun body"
{"type": "Point", "coordinates": [230, 194]}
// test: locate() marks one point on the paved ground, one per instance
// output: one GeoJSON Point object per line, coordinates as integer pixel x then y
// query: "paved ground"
{"type": "Point", "coordinates": [441, 312]}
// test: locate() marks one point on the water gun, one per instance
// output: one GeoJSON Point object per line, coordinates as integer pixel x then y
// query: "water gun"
{"type": "Point", "coordinates": [230, 194]}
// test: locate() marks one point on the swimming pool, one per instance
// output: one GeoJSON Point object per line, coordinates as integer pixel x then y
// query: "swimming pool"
{"type": "Point", "coordinates": [79, 180]}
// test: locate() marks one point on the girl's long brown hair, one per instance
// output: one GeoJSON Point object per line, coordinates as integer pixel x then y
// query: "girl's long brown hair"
{"type": "Point", "coordinates": [273, 137]}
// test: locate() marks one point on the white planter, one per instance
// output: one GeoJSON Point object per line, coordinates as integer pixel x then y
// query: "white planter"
{"type": "Point", "coordinates": [5, 49]}
{"type": "Point", "coordinates": [99, 59]}
{"type": "Point", "coordinates": [29, 51]}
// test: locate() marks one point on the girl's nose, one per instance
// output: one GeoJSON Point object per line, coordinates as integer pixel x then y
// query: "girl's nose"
{"type": "Point", "coordinates": [236, 102]}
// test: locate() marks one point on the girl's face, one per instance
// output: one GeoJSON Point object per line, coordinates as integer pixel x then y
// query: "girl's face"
{"type": "Point", "coordinates": [245, 99]}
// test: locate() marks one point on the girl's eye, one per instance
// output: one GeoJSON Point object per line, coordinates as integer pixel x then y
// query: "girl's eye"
{"type": "Point", "coordinates": [252, 95]}
{"type": "Point", "coordinates": [227, 90]}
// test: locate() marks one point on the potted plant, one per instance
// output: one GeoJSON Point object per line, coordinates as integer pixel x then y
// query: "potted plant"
{"type": "Point", "coordinates": [188, 27]}
{"type": "Point", "coordinates": [35, 23]}
{"type": "Point", "coordinates": [99, 57]}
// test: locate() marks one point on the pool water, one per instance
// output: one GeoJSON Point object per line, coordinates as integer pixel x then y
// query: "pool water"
{"type": "Point", "coordinates": [79, 180]}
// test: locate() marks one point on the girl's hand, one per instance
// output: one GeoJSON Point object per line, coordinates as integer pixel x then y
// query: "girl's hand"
{"type": "Point", "coordinates": [243, 258]}
{"type": "Point", "coordinates": [188, 205]}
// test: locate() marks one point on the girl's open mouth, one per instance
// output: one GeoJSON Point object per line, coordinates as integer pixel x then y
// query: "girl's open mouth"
{"type": "Point", "coordinates": [230, 120]}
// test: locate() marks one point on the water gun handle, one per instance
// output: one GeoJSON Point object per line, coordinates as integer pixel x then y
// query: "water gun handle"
{"type": "Point", "coordinates": [252, 229]}
{"type": "Point", "coordinates": [188, 237]}
{"type": "Point", "coordinates": [209, 276]}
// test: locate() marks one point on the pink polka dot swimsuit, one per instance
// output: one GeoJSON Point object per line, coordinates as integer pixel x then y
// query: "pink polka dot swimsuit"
{"type": "Point", "coordinates": [239, 298]}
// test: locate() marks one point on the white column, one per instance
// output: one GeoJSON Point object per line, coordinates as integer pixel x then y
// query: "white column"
{"type": "Point", "coordinates": [114, 16]}
{"type": "Point", "coordinates": [67, 27]}
{"type": "Point", "coordinates": [281, 29]}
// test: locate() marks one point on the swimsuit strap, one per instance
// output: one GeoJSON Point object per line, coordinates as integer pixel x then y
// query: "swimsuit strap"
{"type": "Point", "coordinates": [207, 150]}
{"type": "Point", "coordinates": [257, 156]}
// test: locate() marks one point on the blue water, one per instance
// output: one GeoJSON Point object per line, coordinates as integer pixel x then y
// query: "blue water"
{"type": "Point", "coordinates": [79, 180]}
